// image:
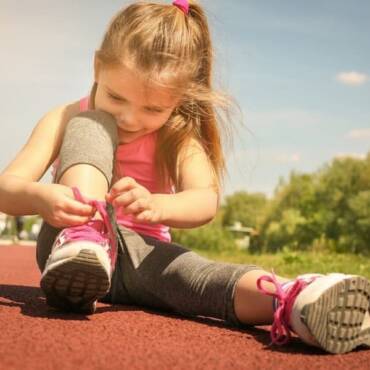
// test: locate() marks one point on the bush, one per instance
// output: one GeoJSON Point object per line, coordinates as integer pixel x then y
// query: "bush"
{"type": "Point", "coordinates": [209, 237]}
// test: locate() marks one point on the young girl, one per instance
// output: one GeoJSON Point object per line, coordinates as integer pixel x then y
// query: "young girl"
{"type": "Point", "coordinates": [141, 154]}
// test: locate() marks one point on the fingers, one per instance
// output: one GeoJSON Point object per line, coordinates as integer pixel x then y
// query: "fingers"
{"type": "Point", "coordinates": [132, 198]}
{"type": "Point", "coordinates": [136, 206]}
{"type": "Point", "coordinates": [77, 208]}
{"type": "Point", "coordinates": [125, 198]}
{"type": "Point", "coordinates": [64, 219]}
{"type": "Point", "coordinates": [67, 220]}
{"type": "Point", "coordinates": [145, 216]}
{"type": "Point", "coordinates": [133, 201]}
{"type": "Point", "coordinates": [123, 185]}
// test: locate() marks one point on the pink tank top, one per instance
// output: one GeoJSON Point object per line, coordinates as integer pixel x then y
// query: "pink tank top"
{"type": "Point", "coordinates": [136, 160]}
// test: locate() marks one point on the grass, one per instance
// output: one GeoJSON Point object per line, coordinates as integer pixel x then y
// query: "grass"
{"type": "Point", "coordinates": [290, 264]}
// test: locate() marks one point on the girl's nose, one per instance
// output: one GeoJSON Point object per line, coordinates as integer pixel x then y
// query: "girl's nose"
{"type": "Point", "coordinates": [126, 116]}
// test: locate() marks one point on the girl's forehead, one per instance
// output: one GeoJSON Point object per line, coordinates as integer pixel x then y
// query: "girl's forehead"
{"type": "Point", "coordinates": [130, 84]}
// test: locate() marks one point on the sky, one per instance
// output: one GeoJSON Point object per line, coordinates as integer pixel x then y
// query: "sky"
{"type": "Point", "coordinates": [299, 71]}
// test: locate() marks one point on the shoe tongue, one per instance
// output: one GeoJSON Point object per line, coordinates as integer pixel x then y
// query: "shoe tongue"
{"type": "Point", "coordinates": [308, 276]}
{"type": "Point", "coordinates": [305, 277]}
{"type": "Point", "coordinates": [284, 286]}
{"type": "Point", "coordinates": [97, 225]}
{"type": "Point", "coordinates": [288, 284]}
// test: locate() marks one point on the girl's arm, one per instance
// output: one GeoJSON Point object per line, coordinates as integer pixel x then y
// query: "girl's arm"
{"type": "Point", "coordinates": [197, 201]}
{"type": "Point", "coordinates": [19, 185]}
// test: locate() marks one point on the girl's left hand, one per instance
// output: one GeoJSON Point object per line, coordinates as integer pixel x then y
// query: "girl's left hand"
{"type": "Point", "coordinates": [134, 199]}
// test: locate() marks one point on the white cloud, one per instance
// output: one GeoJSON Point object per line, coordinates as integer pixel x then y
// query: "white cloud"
{"type": "Point", "coordinates": [359, 134]}
{"type": "Point", "coordinates": [352, 78]}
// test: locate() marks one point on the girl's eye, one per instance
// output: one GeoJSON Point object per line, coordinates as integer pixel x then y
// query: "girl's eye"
{"type": "Point", "coordinates": [115, 97]}
{"type": "Point", "coordinates": [149, 110]}
{"type": "Point", "coordinates": [153, 110]}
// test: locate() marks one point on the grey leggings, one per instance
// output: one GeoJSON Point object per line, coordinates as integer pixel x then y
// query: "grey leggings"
{"type": "Point", "coordinates": [148, 272]}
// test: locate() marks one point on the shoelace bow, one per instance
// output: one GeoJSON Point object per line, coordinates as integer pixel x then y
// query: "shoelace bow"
{"type": "Point", "coordinates": [77, 232]}
{"type": "Point", "coordinates": [281, 329]}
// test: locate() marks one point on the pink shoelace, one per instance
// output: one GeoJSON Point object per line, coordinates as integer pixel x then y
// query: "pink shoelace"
{"type": "Point", "coordinates": [95, 230]}
{"type": "Point", "coordinates": [281, 328]}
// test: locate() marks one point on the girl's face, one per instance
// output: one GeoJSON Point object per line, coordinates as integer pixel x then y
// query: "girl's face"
{"type": "Point", "coordinates": [139, 108]}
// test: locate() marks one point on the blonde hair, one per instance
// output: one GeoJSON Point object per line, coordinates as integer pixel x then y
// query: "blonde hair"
{"type": "Point", "coordinates": [173, 49]}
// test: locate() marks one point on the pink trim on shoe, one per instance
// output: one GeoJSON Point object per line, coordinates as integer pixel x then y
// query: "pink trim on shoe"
{"type": "Point", "coordinates": [281, 328]}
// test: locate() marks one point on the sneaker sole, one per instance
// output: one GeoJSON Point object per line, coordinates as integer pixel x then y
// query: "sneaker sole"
{"type": "Point", "coordinates": [337, 318]}
{"type": "Point", "coordinates": [76, 283]}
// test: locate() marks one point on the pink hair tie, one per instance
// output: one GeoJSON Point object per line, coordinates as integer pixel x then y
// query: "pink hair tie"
{"type": "Point", "coordinates": [183, 5]}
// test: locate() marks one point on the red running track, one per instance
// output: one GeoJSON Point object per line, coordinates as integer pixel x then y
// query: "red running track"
{"type": "Point", "coordinates": [130, 337]}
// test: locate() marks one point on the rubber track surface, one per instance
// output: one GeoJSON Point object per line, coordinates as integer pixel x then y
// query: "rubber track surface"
{"type": "Point", "coordinates": [131, 337]}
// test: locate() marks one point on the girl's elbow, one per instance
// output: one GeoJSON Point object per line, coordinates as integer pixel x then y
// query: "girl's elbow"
{"type": "Point", "coordinates": [213, 208]}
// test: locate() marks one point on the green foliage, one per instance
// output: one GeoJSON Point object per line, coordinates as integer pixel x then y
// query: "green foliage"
{"type": "Point", "coordinates": [329, 208]}
{"type": "Point", "coordinates": [204, 238]}
{"type": "Point", "coordinates": [283, 234]}
{"type": "Point", "coordinates": [208, 237]}
{"type": "Point", "coordinates": [244, 207]}
{"type": "Point", "coordinates": [290, 263]}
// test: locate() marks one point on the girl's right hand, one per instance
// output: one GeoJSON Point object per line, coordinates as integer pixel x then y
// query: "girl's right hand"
{"type": "Point", "coordinates": [56, 204]}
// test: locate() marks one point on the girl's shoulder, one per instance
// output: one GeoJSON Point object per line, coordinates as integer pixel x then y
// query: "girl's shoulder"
{"type": "Point", "coordinates": [53, 123]}
{"type": "Point", "coordinates": [61, 114]}
{"type": "Point", "coordinates": [56, 119]}
{"type": "Point", "coordinates": [71, 109]}
{"type": "Point", "coordinates": [190, 147]}
{"type": "Point", "coordinates": [194, 167]}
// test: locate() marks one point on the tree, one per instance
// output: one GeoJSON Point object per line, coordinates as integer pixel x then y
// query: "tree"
{"type": "Point", "coordinates": [340, 184]}
{"type": "Point", "coordinates": [247, 208]}
{"type": "Point", "coordinates": [332, 204]}
{"type": "Point", "coordinates": [292, 215]}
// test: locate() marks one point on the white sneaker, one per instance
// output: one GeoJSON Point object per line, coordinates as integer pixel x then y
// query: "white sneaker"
{"type": "Point", "coordinates": [80, 266]}
{"type": "Point", "coordinates": [327, 311]}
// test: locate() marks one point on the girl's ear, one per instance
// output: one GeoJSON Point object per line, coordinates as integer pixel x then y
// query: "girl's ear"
{"type": "Point", "coordinates": [97, 66]}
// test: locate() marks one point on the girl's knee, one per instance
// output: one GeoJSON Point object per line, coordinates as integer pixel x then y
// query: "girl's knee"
{"type": "Point", "coordinates": [95, 123]}
{"type": "Point", "coordinates": [90, 138]}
